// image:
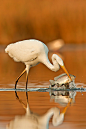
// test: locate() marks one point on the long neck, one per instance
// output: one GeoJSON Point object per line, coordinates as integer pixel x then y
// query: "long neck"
{"type": "Point", "coordinates": [54, 66]}
{"type": "Point", "coordinates": [46, 117]}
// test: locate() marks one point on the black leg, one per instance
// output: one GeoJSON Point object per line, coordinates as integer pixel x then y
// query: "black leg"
{"type": "Point", "coordinates": [17, 97]}
{"type": "Point", "coordinates": [26, 80]}
{"type": "Point", "coordinates": [27, 96]}
{"type": "Point", "coordinates": [19, 78]}
{"type": "Point", "coordinates": [24, 106]}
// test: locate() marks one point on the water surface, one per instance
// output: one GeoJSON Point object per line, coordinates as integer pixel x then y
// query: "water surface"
{"type": "Point", "coordinates": [39, 76]}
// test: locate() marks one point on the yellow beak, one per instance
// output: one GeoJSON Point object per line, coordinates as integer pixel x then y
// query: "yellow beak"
{"type": "Point", "coordinates": [63, 67]}
{"type": "Point", "coordinates": [64, 110]}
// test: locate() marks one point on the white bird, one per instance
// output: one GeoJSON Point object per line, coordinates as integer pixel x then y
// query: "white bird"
{"type": "Point", "coordinates": [33, 121]}
{"type": "Point", "coordinates": [31, 52]}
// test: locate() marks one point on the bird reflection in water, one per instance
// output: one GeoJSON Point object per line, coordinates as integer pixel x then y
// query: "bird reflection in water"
{"type": "Point", "coordinates": [33, 121]}
{"type": "Point", "coordinates": [62, 97]}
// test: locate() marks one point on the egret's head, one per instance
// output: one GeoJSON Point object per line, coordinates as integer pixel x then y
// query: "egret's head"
{"type": "Point", "coordinates": [58, 59]}
{"type": "Point", "coordinates": [58, 120]}
{"type": "Point", "coordinates": [60, 62]}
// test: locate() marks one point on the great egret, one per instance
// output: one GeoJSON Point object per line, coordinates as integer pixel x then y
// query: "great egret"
{"type": "Point", "coordinates": [31, 52]}
{"type": "Point", "coordinates": [33, 121]}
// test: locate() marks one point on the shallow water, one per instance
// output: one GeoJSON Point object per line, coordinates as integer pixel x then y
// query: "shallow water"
{"type": "Point", "coordinates": [39, 76]}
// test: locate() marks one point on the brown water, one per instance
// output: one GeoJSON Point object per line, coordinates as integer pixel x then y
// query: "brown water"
{"type": "Point", "coordinates": [39, 76]}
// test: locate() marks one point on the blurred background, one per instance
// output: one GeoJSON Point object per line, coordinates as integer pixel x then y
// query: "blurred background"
{"type": "Point", "coordinates": [46, 20]}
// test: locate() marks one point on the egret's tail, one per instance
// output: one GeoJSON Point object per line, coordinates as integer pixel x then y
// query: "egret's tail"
{"type": "Point", "coordinates": [7, 49]}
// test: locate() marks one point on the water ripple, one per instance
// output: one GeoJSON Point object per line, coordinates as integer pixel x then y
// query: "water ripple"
{"type": "Point", "coordinates": [41, 88]}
